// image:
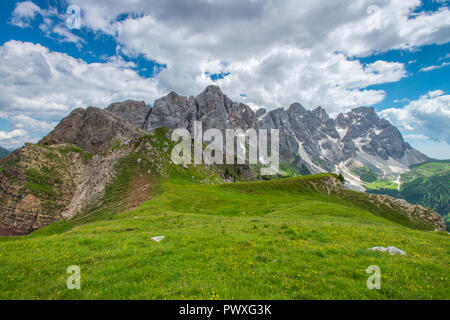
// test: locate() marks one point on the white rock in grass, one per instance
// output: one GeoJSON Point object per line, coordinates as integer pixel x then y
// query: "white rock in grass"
{"type": "Point", "coordinates": [158, 239]}
{"type": "Point", "coordinates": [394, 250]}
{"type": "Point", "coordinates": [391, 250]}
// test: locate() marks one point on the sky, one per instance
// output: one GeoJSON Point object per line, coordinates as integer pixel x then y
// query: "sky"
{"type": "Point", "coordinates": [393, 55]}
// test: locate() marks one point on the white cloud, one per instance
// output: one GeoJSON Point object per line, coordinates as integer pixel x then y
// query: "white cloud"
{"type": "Point", "coordinates": [24, 13]}
{"type": "Point", "coordinates": [12, 134]}
{"type": "Point", "coordinates": [447, 56]}
{"type": "Point", "coordinates": [32, 125]}
{"type": "Point", "coordinates": [429, 116]}
{"type": "Point", "coordinates": [14, 138]}
{"type": "Point", "coordinates": [277, 52]}
{"type": "Point", "coordinates": [404, 100]}
{"type": "Point", "coordinates": [36, 83]}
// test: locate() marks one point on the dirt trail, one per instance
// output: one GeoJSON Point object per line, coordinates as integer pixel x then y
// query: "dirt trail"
{"type": "Point", "coordinates": [140, 190]}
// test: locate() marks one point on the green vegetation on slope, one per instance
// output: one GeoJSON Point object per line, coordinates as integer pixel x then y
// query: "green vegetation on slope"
{"type": "Point", "coordinates": [271, 240]}
{"type": "Point", "coordinates": [366, 174]}
{"type": "Point", "coordinates": [426, 184]}
{"type": "Point", "coordinates": [387, 186]}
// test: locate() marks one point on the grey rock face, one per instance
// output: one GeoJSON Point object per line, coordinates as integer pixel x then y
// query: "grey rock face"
{"type": "Point", "coordinates": [136, 112]}
{"type": "Point", "coordinates": [172, 111]}
{"type": "Point", "coordinates": [94, 130]}
{"type": "Point", "coordinates": [211, 107]}
{"type": "Point", "coordinates": [375, 136]}
{"type": "Point", "coordinates": [309, 134]}
{"type": "Point", "coordinates": [310, 138]}
{"type": "Point", "coordinates": [391, 250]}
{"type": "Point", "coordinates": [376, 143]}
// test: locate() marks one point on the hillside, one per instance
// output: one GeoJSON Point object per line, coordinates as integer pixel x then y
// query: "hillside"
{"type": "Point", "coordinates": [44, 183]}
{"type": "Point", "coordinates": [426, 184]}
{"type": "Point", "coordinates": [265, 240]}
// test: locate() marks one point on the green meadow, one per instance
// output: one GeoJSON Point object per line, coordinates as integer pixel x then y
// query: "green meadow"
{"type": "Point", "coordinates": [263, 240]}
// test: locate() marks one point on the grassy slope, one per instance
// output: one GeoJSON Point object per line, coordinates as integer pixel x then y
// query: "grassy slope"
{"type": "Point", "coordinates": [272, 240]}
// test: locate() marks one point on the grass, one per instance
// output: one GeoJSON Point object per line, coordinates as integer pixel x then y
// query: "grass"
{"type": "Point", "coordinates": [271, 240]}
{"type": "Point", "coordinates": [431, 168]}
{"type": "Point", "coordinates": [366, 174]}
{"type": "Point", "coordinates": [42, 182]}
{"type": "Point", "coordinates": [382, 184]}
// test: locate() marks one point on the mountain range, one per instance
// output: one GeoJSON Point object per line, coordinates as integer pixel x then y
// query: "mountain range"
{"type": "Point", "coordinates": [308, 139]}
{"type": "Point", "coordinates": [3, 152]}
{"type": "Point", "coordinates": [70, 172]}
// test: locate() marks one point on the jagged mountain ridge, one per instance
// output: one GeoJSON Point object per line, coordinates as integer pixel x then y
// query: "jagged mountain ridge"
{"type": "Point", "coordinates": [308, 138]}
{"type": "Point", "coordinates": [92, 129]}
{"type": "Point", "coordinates": [3, 152]}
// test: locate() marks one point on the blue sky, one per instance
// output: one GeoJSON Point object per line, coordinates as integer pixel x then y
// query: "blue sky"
{"type": "Point", "coordinates": [316, 53]}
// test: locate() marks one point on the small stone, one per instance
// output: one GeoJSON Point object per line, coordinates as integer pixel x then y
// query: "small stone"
{"type": "Point", "coordinates": [158, 239]}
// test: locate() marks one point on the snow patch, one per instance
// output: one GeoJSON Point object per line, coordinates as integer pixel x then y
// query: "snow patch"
{"type": "Point", "coordinates": [342, 132]}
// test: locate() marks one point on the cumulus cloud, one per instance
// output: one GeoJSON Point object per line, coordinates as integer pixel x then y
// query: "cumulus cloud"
{"type": "Point", "coordinates": [39, 84]}
{"type": "Point", "coordinates": [435, 67]}
{"type": "Point", "coordinates": [275, 52]}
{"type": "Point", "coordinates": [24, 13]}
{"type": "Point", "coordinates": [429, 116]}
{"type": "Point", "coordinates": [272, 52]}
{"type": "Point", "coordinates": [12, 134]}
{"type": "Point", "coordinates": [14, 138]}
{"type": "Point", "coordinates": [53, 23]}
{"type": "Point", "coordinates": [32, 125]}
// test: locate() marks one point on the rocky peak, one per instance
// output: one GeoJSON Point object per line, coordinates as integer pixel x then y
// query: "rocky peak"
{"type": "Point", "coordinates": [136, 112]}
{"type": "Point", "coordinates": [310, 135]}
{"type": "Point", "coordinates": [211, 107]}
{"type": "Point", "coordinates": [172, 111]}
{"type": "Point", "coordinates": [320, 142]}
{"type": "Point", "coordinates": [212, 91]}
{"type": "Point", "coordinates": [372, 135]}
{"type": "Point", "coordinates": [297, 108]}
{"type": "Point", "coordinates": [321, 114]}
{"type": "Point", "coordinates": [261, 112]}
{"type": "Point", "coordinates": [92, 129]}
